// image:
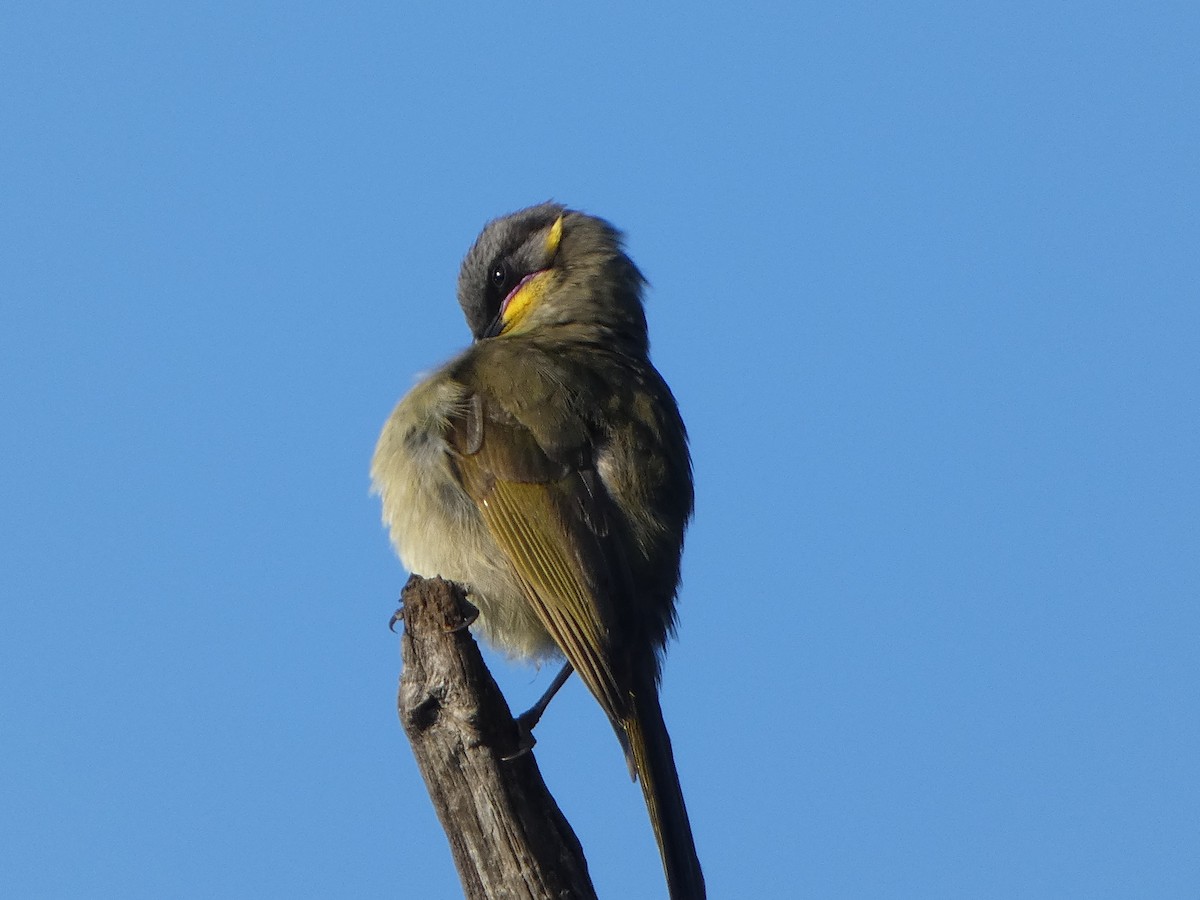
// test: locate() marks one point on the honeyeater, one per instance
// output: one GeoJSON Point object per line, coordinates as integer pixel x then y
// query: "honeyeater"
{"type": "Point", "coordinates": [546, 469]}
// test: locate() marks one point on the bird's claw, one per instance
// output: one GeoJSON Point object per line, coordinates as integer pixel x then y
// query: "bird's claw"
{"type": "Point", "coordinates": [525, 738]}
{"type": "Point", "coordinates": [469, 615]}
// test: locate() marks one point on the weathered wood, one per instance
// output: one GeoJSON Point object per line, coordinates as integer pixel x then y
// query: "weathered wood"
{"type": "Point", "coordinates": [507, 835]}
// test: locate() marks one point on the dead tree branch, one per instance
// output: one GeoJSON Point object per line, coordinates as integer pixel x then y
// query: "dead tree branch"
{"type": "Point", "coordinates": [508, 837]}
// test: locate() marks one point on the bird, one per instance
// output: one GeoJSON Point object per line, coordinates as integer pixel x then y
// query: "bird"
{"type": "Point", "coordinates": [546, 469]}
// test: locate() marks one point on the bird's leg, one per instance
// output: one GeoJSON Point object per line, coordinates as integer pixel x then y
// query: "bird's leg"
{"type": "Point", "coordinates": [528, 719]}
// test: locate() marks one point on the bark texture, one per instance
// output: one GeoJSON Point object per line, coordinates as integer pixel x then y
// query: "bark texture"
{"type": "Point", "coordinates": [508, 837]}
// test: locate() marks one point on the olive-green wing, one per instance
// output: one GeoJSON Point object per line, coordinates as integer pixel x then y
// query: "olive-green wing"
{"type": "Point", "coordinates": [549, 517]}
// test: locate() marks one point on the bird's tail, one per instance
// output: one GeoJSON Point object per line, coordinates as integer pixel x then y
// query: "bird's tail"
{"type": "Point", "coordinates": [650, 747]}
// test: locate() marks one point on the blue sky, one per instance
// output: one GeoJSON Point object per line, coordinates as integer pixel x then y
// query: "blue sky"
{"type": "Point", "coordinates": [924, 280]}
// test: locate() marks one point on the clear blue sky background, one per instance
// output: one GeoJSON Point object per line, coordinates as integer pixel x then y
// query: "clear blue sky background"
{"type": "Point", "coordinates": [925, 279]}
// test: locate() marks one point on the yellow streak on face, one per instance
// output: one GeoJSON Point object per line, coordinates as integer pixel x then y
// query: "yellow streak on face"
{"type": "Point", "coordinates": [534, 289]}
{"type": "Point", "coordinates": [524, 300]}
{"type": "Point", "coordinates": [554, 237]}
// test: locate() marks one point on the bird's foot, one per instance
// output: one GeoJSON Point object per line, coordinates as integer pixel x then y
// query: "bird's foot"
{"type": "Point", "coordinates": [525, 738]}
{"type": "Point", "coordinates": [469, 615]}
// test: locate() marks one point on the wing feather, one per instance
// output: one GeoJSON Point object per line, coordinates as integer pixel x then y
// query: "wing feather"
{"type": "Point", "coordinates": [541, 513]}
{"type": "Point", "coordinates": [524, 522]}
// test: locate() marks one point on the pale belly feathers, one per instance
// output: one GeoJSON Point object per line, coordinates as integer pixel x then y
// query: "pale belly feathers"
{"type": "Point", "coordinates": [435, 526]}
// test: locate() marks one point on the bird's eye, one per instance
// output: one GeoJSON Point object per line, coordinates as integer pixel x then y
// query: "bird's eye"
{"type": "Point", "coordinates": [499, 275]}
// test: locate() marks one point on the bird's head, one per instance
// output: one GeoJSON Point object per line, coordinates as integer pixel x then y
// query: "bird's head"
{"type": "Point", "coordinates": [552, 269]}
